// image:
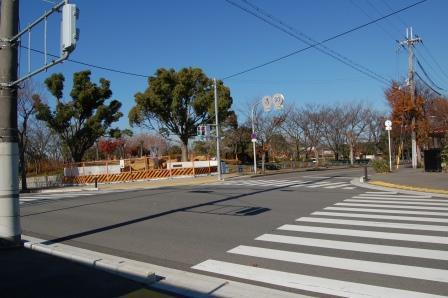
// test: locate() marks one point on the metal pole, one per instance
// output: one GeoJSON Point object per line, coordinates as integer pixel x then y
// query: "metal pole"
{"type": "Point", "coordinates": [390, 152]}
{"type": "Point", "coordinates": [218, 139]}
{"type": "Point", "coordinates": [10, 230]}
{"type": "Point", "coordinates": [253, 143]}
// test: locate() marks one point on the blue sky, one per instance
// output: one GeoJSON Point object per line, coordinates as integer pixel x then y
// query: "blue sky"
{"type": "Point", "coordinates": [140, 36]}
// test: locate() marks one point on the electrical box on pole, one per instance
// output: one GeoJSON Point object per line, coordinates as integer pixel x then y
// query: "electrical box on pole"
{"type": "Point", "coordinates": [69, 32]}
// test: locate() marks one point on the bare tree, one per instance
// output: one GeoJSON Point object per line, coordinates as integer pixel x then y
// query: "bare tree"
{"type": "Point", "coordinates": [356, 116]}
{"type": "Point", "coordinates": [292, 129]}
{"type": "Point", "coordinates": [311, 123]}
{"type": "Point", "coordinates": [333, 129]}
{"type": "Point", "coordinates": [28, 95]}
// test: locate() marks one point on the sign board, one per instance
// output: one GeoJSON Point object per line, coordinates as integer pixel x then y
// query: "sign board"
{"type": "Point", "coordinates": [121, 163]}
{"type": "Point", "coordinates": [278, 100]}
{"type": "Point", "coordinates": [267, 103]}
{"type": "Point", "coordinates": [388, 124]}
{"type": "Point", "coordinates": [253, 137]}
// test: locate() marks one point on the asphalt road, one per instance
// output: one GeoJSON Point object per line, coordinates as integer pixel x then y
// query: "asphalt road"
{"type": "Point", "coordinates": [212, 229]}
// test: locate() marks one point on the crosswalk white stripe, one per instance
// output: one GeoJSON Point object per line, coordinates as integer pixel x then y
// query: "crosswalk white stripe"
{"type": "Point", "coordinates": [387, 211]}
{"type": "Point", "coordinates": [337, 186]}
{"type": "Point", "coordinates": [325, 184]}
{"type": "Point", "coordinates": [397, 196]}
{"type": "Point", "coordinates": [399, 199]}
{"type": "Point", "coordinates": [366, 234]}
{"type": "Point", "coordinates": [431, 274]}
{"type": "Point", "coordinates": [305, 282]}
{"type": "Point", "coordinates": [377, 224]}
{"type": "Point", "coordinates": [361, 247]}
{"type": "Point", "coordinates": [35, 197]}
{"type": "Point", "coordinates": [381, 192]}
{"type": "Point", "coordinates": [305, 183]}
{"type": "Point", "coordinates": [397, 202]}
{"type": "Point", "coordinates": [376, 216]}
{"type": "Point", "coordinates": [388, 206]}
{"type": "Point", "coordinates": [28, 200]}
{"type": "Point", "coordinates": [348, 188]}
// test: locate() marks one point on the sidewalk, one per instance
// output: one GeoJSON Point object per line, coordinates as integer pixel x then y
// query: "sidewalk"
{"type": "Point", "coordinates": [28, 273]}
{"type": "Point", "coordinates": [412, 179]}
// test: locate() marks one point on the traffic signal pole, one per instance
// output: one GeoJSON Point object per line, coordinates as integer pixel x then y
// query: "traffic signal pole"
{"type": "Point", "coordinates": [10, 230]}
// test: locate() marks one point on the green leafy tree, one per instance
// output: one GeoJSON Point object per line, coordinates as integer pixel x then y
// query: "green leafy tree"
{"type": "Point", "coordinates": [82, 120]}
{"type": "Point", "coordinates": [178, 102]}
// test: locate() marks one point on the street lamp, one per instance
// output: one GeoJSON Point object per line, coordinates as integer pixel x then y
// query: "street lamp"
{"type": "Point", "coordinates": [275, 100]}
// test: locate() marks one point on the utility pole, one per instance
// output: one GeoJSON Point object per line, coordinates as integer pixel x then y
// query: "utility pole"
{"type": "Point", "coordinates": [10, 230]}
{"type": "Point", "coordinates": [218, 138]}
{"type": "Point", "coordinates": [409, 43]}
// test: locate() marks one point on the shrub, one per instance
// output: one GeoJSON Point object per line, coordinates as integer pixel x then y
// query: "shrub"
{"type": "Point", "coordinates": [444, 156]}
{"type": "Point", "coordinates": [380, 166]}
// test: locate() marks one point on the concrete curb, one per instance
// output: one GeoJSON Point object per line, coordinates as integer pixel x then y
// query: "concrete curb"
{"type": "Point", "coordinates": [184, 283]}
{"type": "Point", "coordinates": [393, 187]}
{"type": "Point", "coordinates": [127, 268]}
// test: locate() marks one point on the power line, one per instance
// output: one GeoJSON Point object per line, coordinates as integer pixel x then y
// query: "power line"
{"type": "Point", "coordinates": [308, 40]}
{"type": "Point", "coordinates": [426, 75]}
{"type": "Point", "coordinates": [427, 85]}
{"type": "Point", "coordinates": [88, 64]}
{"type": "Point", "coordinates": [435, 61]}
{"type": "Point", "coordinates": [323, 41]}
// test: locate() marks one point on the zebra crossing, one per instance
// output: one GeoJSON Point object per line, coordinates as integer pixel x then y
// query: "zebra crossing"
{"type": "Point", "coordinates": [328, 184]}
{"type": "Point", "coordinates": [386, 249]}
{"type": "Point", "coordinates": [41, 198]}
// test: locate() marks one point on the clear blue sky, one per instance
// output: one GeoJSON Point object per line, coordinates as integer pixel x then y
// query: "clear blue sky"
{"type": "Point", "coordinates": [140, 36]}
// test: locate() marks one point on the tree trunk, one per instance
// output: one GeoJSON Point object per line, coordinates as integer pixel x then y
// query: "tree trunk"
{"type": "Point", "coordinates": [263, 158]}
{"type": "Point", "coordinates": [316, 155]}
{"type": "Point", "coordinates": [351, 155]}
{"type": "Point", "coordinates": [23, 170]}
{"type": "Point", "coordinates": [184, 147]}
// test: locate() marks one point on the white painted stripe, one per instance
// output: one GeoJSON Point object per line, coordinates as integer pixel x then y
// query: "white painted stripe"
{"type": "Point", "coordinates": [397, 196]}
{"type": "Point", "coordinates": [397, 203]}
{"type": "Point", "coordinates": [361, 247]}
{"type": "Point", "coordinates": [388, 211]}
{"type": "Point", "coordinates": [392, 217]}
{"type": "Point", "coordinates": [28, 200]}
{"type": "Point", "coordinates": [399, 199]}
{"type": "Point", "coordinates": [337, 186]}
{"type": "Point", "coordinates": [431, 274]}
{"type": "Point", "coordinates": [326, 184]}
{"type": "Point", "coordinates": [317, 177]}
{"type": "Point", "coordinates": [349, 187]}
{"type": "Point", "coordinates": [366, 234]}
{"type": "Point", "coordinates": [377, 224]}
{"type": "Point", "coordinates": [388, 206]}
{"type": "Point", "coordinates": [36, 197]}
{"type": "Point", "coordinates": [381, 192]}
{"type": "Point", "coordinates": [304, 282]}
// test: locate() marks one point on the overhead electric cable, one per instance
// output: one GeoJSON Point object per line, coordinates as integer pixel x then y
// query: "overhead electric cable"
{"type": "Point", "coordinates": [323, 41]}
{"type": "Point", "coordinates": [89, 64]}
{"type": "Point", "coordinates": [307, 40]}
{"type": "Point", "coordinates": [427, 85]}
{"type": "Point", "coordinates": [427, 76]}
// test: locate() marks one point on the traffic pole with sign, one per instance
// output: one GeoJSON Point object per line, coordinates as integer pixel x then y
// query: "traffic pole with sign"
{"type": "Point", "coordinates": [388, 124]}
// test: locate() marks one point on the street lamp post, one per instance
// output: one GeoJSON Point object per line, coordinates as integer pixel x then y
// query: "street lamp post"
{"type": "Point", "coordinates": [275, 100]}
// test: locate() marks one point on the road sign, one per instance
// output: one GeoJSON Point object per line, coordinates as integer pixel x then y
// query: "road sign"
{"type": "Point", "coordinates": [267, 103]}
{"type": "Point", "coordinates": [253, 136]}
{"type": "Point", "coordinates": [388, 124]}
{"type": "Point", "coordinates": [277, 101]}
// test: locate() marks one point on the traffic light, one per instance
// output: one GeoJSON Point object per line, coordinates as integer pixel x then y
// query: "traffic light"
{"type": "Point", "coordinates": [69, 32]}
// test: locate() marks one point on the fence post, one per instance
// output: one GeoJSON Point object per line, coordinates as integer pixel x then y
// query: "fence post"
{"type": "Point", "coordinates": [169, 166]}
{"type": "Point", "coordinates": [192, 163]}
{"type": "Point", "coordinates": [107, 171]}
{"type": "Point", "coordinates": [209, 168]}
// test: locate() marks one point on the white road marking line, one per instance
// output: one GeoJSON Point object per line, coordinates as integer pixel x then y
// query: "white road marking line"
{"type": "Point", "coordinates": [378, 224]}
{"type": "Point", "coordinates": [375, 216]}
{"type": "Point", "coordinates": [317, 177]}
{"type": "Point", "coordinates": [392, 207]}
{"type": "Point", "coordinates": [351, 187]}
{"type": "Point", "coordinates": [387, 211]}
{"type": "Point", "coordinates": [337, 186]}
{"type": "Point", "coordinates": [307, 283]}
{"type": "Point", "coordinates": [399, 199]}
{"type": "Point", "coordinates": [397, 202]}
{"type": "Point", "coordinates": [361, 247]}
{"type": "Point", "coordinates": [381, 192]}
{"type": "Point", "coordinates": [35, 197]}
{"type": "Point", "coordinates": [321, 184]}
{"type": "Point", "coordinates": [431, 274]}
{"type": "Point", "coordinates": [366, 234]}
{"type": "Point", "coordinates": [397, 196]}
